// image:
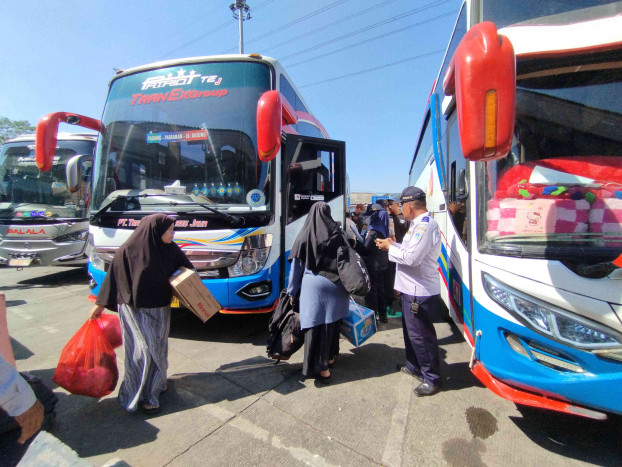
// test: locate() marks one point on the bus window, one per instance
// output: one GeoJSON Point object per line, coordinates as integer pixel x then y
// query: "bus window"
{"type": "Point", "coordinates": [458, 180]}
{"type": "Point", "coordinates": [425, 151]}
{"type": "Point", "coordinates": [311, 174]}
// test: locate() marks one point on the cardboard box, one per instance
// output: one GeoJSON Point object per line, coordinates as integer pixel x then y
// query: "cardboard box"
{"type": "Point", "coordinates": [187, 286]}
{"type": "Point", "coordinates": [360, 325]}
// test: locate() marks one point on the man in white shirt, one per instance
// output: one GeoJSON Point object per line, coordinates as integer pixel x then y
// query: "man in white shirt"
{"type": "Point", "coordinates": [418, 282]}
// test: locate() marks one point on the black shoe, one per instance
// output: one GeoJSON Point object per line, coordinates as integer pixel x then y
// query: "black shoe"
{"type": "Point", "coordinates": [404, 369]}
{"type": "Point", "coordinates": [426, 389]}
{"type": "Point", "coordinates": [323, 379]}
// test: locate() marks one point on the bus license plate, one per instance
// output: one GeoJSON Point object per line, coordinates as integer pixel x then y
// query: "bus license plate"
{"type": "Point", "coordinates": [175, 303]}
{"type": "Point", "coordinates": [20, 262]}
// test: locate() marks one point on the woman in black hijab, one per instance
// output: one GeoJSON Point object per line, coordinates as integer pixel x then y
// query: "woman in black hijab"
{"type": "Point", "coordinates": [137, 285]}
{"type": "Point", "coordinates": [323, 299]}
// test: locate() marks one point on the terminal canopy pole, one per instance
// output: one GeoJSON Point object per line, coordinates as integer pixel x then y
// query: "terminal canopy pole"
{"type": "Point", "coordinates": [241, 12]}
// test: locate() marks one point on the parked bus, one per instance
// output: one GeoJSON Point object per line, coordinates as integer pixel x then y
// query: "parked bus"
{"type": "Point", "coordinates": [226, 145]}
{"type": "Point", "coordinates": [43, 215]}
{"type": "Point", "coordinates": [520, 154]}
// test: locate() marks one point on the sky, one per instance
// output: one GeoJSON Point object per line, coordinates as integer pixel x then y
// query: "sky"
{"type": "Point", "coordinates": [364, 67]}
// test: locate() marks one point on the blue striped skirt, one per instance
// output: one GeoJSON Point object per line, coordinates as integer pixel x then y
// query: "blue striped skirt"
{"type": "Point", "coordinates": [145, 339]}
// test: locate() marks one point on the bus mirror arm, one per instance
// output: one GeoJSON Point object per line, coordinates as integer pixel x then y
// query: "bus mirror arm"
{"type": "Point", "coordinates": [47, 130]}
{"type": "Point", "coordinates": [482, 77]}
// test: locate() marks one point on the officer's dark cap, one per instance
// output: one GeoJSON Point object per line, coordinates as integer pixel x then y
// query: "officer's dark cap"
{"type": "Point", "coordinates": [412, 193]}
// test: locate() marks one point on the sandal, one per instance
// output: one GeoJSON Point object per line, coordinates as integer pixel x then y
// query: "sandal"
{"type": "Point", "coordinates": [150, 409]}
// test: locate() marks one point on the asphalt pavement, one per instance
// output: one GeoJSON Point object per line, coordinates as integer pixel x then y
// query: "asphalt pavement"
{"type": "Point", "coordinates": [228, 404]}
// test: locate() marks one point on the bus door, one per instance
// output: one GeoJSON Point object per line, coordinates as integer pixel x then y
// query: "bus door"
{"type": "Point", "coordinates": [313, 170]}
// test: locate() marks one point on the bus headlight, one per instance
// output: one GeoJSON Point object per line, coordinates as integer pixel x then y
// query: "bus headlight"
{"type": "Point", "coordinates": [96, 260]}
{"type": "Point", "coordinates": [249, 262]}
{"type": "Point", "coordinates": [72, 237]}
{"type": "Point", "coordinates": [554, 322]}
{"type": "Point", "coordinates": [253, 256]}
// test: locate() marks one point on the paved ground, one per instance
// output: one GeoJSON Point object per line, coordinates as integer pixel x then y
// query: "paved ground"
{"type": "Point", "coordinates": [229, 405]}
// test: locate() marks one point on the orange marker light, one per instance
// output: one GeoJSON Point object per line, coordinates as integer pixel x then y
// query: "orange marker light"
{"type": "Point", "coordinates": [490, 120]}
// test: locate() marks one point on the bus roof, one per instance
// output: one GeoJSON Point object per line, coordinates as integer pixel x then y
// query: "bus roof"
{"type": "Point", "coordinates": [557, 40]}
{"type": "Point", "coordinates": [190, 60]}
{"type": "Point", "coordinates": [63, 136]}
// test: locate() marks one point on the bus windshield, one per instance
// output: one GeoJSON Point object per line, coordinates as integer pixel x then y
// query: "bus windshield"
{"type": "Point", "coordinates": [558, 193]}
{"type": "Point", "coordinates": [28, 194]}
{"type": "Point", "coordinates": [190, 126]}
{"type": "Point", "coordinates": [550, 12]}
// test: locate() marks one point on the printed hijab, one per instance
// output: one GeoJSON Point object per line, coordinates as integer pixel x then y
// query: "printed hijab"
{"type": "Point", "coordinates": [317, 243]}
{"type": "Point", "coordinates": [380, 222]}
{"type": "Point", "coordinates": [141, 267]}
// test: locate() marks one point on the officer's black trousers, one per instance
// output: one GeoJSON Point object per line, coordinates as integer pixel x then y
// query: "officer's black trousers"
{"type": "Point", "coordinates": [422, 356]}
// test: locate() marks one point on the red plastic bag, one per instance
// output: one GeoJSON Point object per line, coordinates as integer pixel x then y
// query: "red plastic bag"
{"type": "Point", "coordinates": [111, 326]}
{"type": "Point", "coordinates": [88, 364]}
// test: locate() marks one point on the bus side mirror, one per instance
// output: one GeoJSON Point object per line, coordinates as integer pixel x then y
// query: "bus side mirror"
{"type": "Point", "coordinates": [74, 171]}
{"type": "Point", "coordinates": [47, 129]}
{"type": "Point", "coordinates": [273, 111]}
{"type": "Point", "coordinates": [482, 77]}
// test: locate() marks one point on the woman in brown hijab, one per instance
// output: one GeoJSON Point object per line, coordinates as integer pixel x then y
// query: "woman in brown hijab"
{"type": "Point", "coordinates": [137, 286]}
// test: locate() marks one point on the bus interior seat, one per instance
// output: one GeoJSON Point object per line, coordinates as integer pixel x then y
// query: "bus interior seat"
{"type": "Point", "coordinates": [524, 205]}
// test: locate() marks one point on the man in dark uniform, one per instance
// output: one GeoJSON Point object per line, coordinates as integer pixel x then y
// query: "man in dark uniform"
{"type": "Point", "coordinates": [417, 280]}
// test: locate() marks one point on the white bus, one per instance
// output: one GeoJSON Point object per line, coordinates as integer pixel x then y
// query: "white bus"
{"type": "Point", "coordinates": [226, 145]}
{"type": "Point", "coordinates": [520, 153]}
{"type": "Point", "coordinates": [43, 215]}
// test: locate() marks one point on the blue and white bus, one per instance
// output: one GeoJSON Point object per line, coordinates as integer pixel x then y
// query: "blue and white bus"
{"type": "Point", "coordinates": [520, 153]}
{"type": "Point", "coordinates": [226, 145]}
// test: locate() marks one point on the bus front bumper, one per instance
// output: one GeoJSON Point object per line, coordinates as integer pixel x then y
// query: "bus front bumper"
{"type": "Point", "coordinates": [257, 293]}
{"type": "Point", "coordinates": [528, 368]}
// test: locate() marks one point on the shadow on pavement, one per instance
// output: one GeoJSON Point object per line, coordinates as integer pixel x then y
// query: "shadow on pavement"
{"type": "Point", "coordinates": [69, 276]}
{"type": "Point", "coordinates": [251, 329]}
{"type": "Point", "coordinates": [587, 440]}
{"type": "Point", "coordinates": [20, 351]}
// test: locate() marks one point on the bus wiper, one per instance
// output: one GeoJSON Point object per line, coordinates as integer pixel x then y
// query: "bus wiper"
{"type": "Point", "coordinates": [235, 221]}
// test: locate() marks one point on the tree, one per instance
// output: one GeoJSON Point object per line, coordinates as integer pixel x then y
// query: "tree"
{"type": "Point", "coordinates": [12, 128]}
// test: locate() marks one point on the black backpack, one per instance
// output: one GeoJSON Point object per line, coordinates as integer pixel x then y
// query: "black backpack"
{"type": "Point", "coordinates": [284, 327]}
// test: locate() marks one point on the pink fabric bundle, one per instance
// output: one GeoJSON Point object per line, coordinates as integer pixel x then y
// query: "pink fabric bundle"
{"type": "Point", "coordinates": [606, 216]}
{"type": "Point", "coordinates": [537, 216]}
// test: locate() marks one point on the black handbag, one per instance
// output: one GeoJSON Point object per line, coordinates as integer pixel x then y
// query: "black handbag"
{"type": "Point", "coordinates": [352, 271]}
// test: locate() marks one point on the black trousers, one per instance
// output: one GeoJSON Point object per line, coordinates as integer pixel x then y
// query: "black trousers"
{"type": "Point", "coordinates": [422, 355]}
{"type": "Point", "coordinates": [389, 282]}
{"type": "Point", "coordinates": [376, 300]}
{"type": "Point", "coordinates": [321, 345]}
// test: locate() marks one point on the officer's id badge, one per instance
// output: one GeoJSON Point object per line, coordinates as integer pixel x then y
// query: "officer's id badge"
{"type": "Point", "coordinates": [419, 230]}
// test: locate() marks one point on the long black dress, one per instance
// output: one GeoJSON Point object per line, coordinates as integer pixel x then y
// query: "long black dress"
{"type": "Point", "coordinates": [137, 287]}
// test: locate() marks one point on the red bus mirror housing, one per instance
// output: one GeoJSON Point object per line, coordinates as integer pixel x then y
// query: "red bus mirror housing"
{"type": "Point", "coordinates": [47, 129]}
{"type": "Point", "coordinates": [273, 112]}
{"type": "Point", "coordinates": [482, 76]}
